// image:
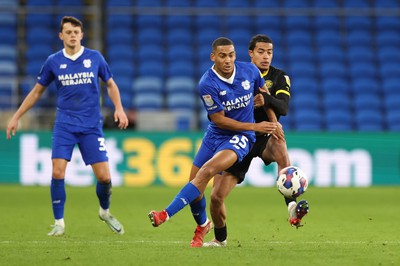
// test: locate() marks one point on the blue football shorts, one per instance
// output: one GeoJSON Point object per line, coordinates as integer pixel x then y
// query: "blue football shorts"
{"type": "Point", "coordinates": [91, 143]}
{"type": "Point", "coordinates": [213, 143]}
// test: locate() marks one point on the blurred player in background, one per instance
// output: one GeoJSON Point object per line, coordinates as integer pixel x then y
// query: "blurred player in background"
{"type": "Point", "coordinates": [76, 71]}
{"type": "Point", "coordinates": [227, 90]}
{"type": "Point", "coordinates": [268, 149]}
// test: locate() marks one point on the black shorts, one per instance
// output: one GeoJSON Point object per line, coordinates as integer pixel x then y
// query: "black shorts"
{"type": "Point", "coordinates": [240, 169]}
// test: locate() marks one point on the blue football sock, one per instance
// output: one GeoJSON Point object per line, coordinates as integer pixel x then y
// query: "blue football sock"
{"type": "Point", "coordinates": [187, 194]}
{"type": "Point", "coordinates": [103, 192]}
{"type": "Point", "coordinates": [199, 211]}
{"type": "Point", "coordinates": [58, 197]}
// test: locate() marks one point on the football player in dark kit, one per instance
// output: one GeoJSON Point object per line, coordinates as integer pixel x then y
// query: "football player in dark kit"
{"type": "Point", "coordinates": [268, 149]}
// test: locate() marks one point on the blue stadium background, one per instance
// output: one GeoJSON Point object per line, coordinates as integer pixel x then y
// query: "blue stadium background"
{"type": "Point", "coordinates": [343, 56]}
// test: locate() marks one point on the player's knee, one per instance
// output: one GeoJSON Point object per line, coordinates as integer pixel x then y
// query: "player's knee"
{"type": "Point", "coordinates": [207, 172]}
{"type": "Point", "coordinates": [58, 173]}
{"type": "Point", "coordinates": [217, 200]}
{"type": "Point", "coordinates": [104, 179]}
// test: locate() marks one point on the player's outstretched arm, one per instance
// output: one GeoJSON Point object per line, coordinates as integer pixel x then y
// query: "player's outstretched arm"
{"type": "Point", "coordinates": [227, 123]}
{"type": "Point", "coordinates": [119, 114]}
{"type": "Point", "coordinates": [27, 104]}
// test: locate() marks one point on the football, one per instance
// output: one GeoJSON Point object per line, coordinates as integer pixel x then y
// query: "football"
{"type": "Point", "coordinates": [292, 182]}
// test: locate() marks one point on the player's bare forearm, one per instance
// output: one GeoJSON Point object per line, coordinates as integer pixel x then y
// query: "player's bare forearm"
{"type": "Point", "coordinates": [278, 133]}
{"type": "Point", "coordinates": [30, 100]}
{"type": "Point", "coordinates": [227, 123]}
{"type": "Point", "coordinates": [119, 114]}
{"type": "Point", "coordinates": [113, 93]}
{"type": "Point", "coordinates": [271, 114]}
{"type": "Point", "coordinates": [258, 101]}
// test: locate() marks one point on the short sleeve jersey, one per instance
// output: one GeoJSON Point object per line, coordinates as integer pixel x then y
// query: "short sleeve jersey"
{"type": "Point", "coordinates": [77, 82]}
{"type": "Point", "coordinates": [235, 98]}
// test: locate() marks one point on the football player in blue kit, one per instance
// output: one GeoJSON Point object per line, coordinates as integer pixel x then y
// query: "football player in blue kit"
{"type": "Point", "coordinates": [227, 90]}
{"type": "Point", "coordinates": [269, 149]}
{"type": "Point", "coordinates": [76, 71]}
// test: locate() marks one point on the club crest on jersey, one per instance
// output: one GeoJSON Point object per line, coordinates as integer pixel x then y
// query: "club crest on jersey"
{"type": "Point", "coordinates": [246, 85]}
{"type": "Point", "coordinates": [269, 83]}
{"type": "Point", "coordinates": [208, 100]}
{"type": "Point", "coordinates": [87, 63]}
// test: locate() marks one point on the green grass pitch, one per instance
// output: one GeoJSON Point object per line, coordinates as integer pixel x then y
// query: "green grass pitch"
{"type": "Point", "coordinates": [345, 226]}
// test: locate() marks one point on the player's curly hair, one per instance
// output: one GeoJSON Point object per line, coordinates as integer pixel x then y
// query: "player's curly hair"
{"type": "Point", "coordinates": [258, 38]}
{"type": "Point", "coordinates": [73, 20]}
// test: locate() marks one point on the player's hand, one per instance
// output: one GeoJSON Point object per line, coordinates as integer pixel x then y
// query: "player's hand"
{"type": "Point", "coordinates": [265, 127]}
{"type": "Point", "coordinates": [121, 118]}
{"type": "Point", "coordinates": [265, 89]}
{"type": "Point", "coordinates": [11, 128]}
{"type": "Point", "coordinates": [278, 133]}
{"type": "Point", "coordinates": [258, 101]}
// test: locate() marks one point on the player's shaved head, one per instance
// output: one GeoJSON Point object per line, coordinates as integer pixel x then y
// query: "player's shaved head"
{"type": "Point", "coordinates": [221, 41]}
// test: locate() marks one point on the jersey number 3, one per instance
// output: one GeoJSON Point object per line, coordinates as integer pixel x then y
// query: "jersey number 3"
{"type": "Point", "coordinates": [102, 144]}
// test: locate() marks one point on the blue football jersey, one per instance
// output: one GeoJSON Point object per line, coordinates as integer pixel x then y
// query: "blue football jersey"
{"type": "Point", "coordinates": [235, 97]}
{"type": "Point", "coordinates": [77, 82]}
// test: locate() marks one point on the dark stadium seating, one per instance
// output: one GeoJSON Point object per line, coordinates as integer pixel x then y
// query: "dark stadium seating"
{"type": "Point", "coordinates": [307, 120]}
{"type": "Point", "coordinates": [368, 101]}
{"type": "Point", "coordinates": [8, 94]}
{"type": "Point", "coordinates": [181, 84]}
{"type": "Point", "coordinates": [179, 36]}
{"type": "Point", "coordinates": [325, 4]}
{"type": "Point", "coordinates": [8, 53]}
{"type": "Point", "coordinates": [393, 120]}
{"type": "Point", "coordinates": [356, 4]}
{"type": "Point", "coordinates": [181, 67]}
{"type": "Point", "coordinates": [149, 21]}
{"type": "Point", "coordinates": [336, 101]}
{"type": "Point", "coordinates": [360, 54]}
{"type": "Point", "coordinates": [118, 52]}
{"type": "Point", "coordinates": [300, 37]}
{"type": "Point", "coordinates": [330, 53]}
{"type": "Point", "coordinates": [179, 21]}
{"type": "Point", "coordinates": [149, 101]}
{"type": "Point", "coordinates": [39, 2]}
{"type": "Point", "coordinates": [177, 3]}
{"type": "Point", "coordinates": [363, 85]}
{"type": "Point", "coordinates": [298, 23]}
{"type": "Point", "coordinates": [150, 52]}
{"type": "Point", "coordinates": [152, 68]}
{"type": "Point", "coordinates": [335, 60]}
{"type": "Point", "coordinates": [358, 23]}
{"type": "Point", "coordinates": [327, 22]}
{"type": "Point", "coordinates": [387, 23]}
{"type": "Point", "coordinates": [338, 120]}
{"type": "Point", "coordinates": [180, 51]}
{"type": "Point", "coordinates": [206, 3]}
{"type": "Point", "coordinates": [147, 84]}
{"type": "Point", "coordinates": [301, 53]}
{"type": "Point", "coordinates": [386, 3]}
{"type": "Point", "coordinates": [120, 21]}
{"type": "Point", "coordinates": [181, 101]}
{"type": "Point", "coordinates": [121, 36]}
{"type": "Point", "coordinates": [369, 120]}
{"type": "Point", "coordinates": [206, 22]}
{"type": "Point", "coordinates": [359, 38]}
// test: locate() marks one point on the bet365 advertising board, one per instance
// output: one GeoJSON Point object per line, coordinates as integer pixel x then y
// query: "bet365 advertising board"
{"type": "Point", "coordinates": [145, 159]}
